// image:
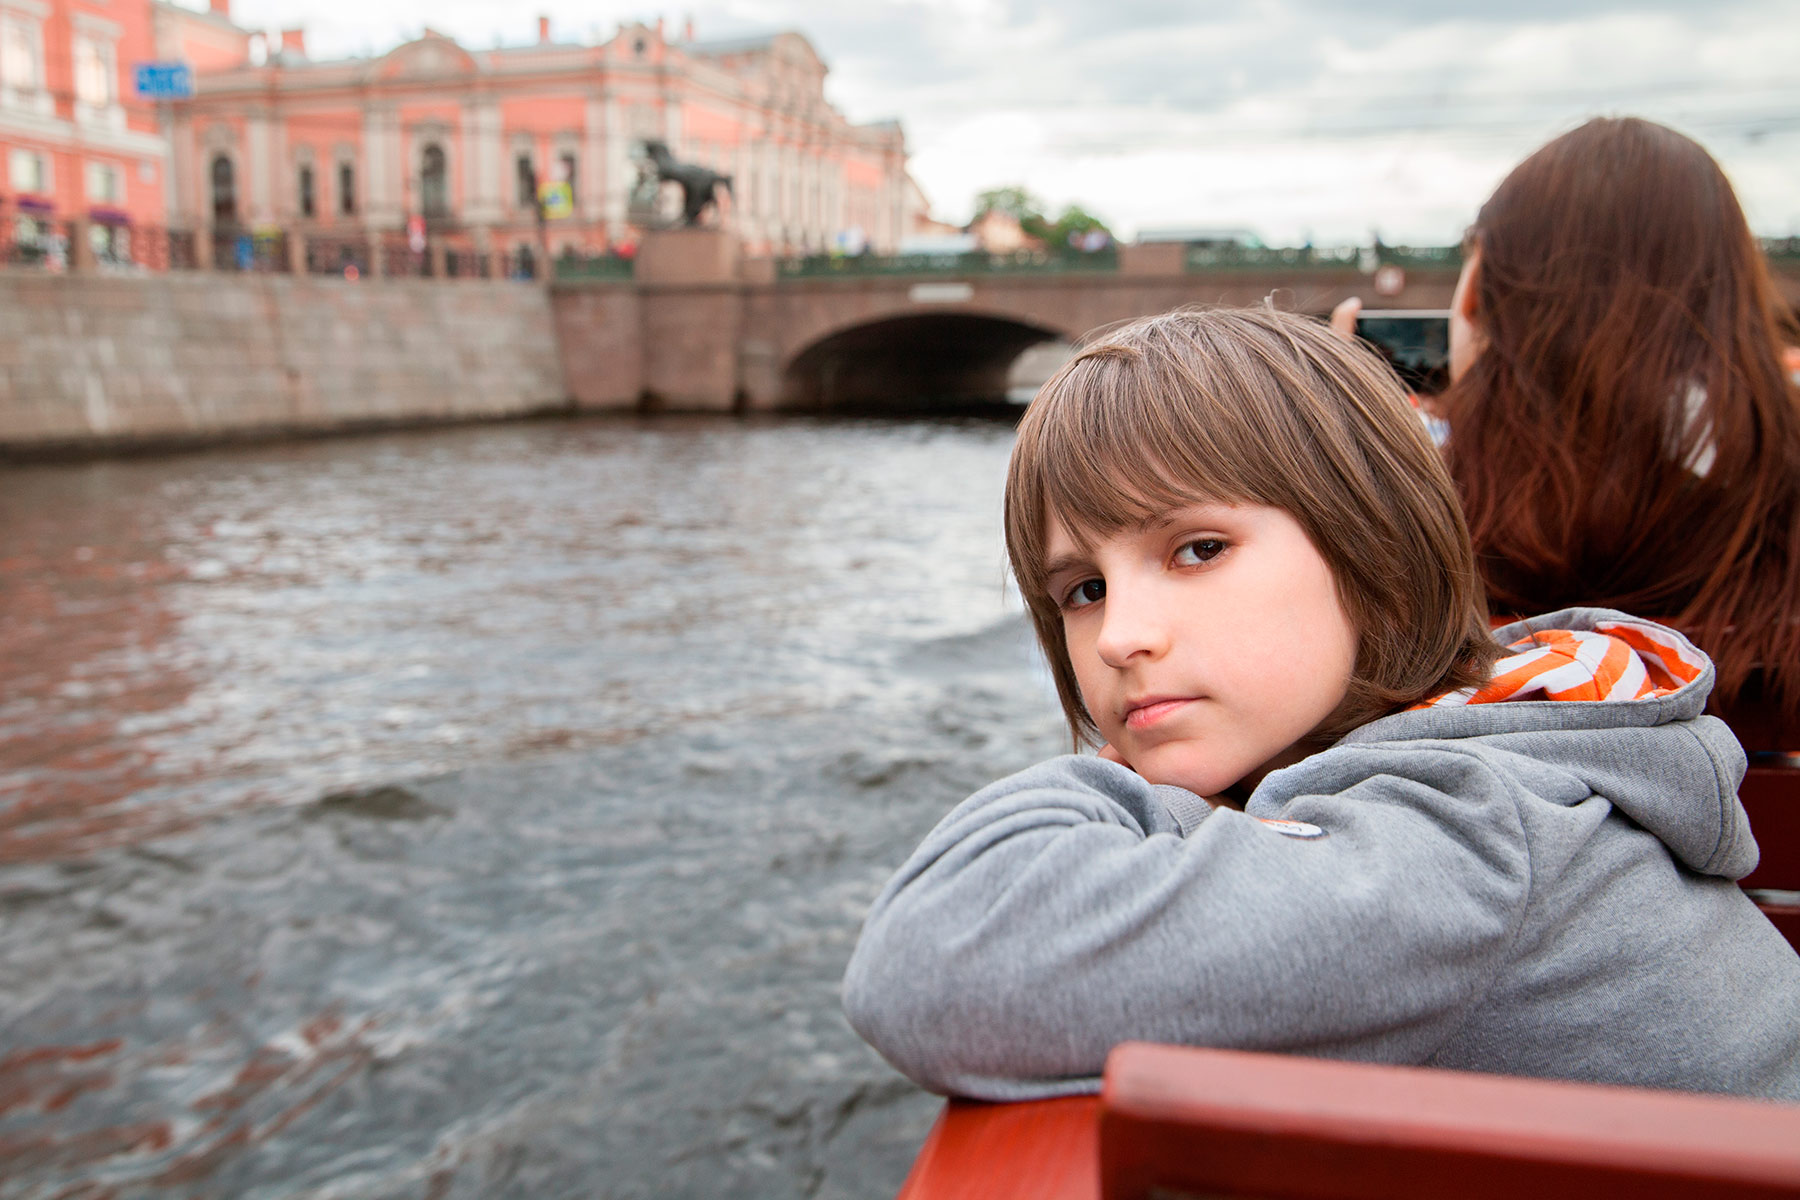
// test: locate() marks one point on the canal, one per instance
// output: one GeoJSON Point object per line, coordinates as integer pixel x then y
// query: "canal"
{"type": "Point", "coordinates": [484, 812]}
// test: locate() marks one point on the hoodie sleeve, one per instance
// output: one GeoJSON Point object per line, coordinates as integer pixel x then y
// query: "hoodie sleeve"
{"type": "Point", "coordinates": [1059, 912]}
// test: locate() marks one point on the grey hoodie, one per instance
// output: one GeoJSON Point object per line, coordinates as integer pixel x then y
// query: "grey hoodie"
{"type": "Point", "coordinates": [1534, 888]}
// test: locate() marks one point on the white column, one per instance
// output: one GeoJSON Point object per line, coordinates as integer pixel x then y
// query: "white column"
{"type": "Point", "coordinates": [178, 173]}
{"type": "Point", "coordinates": [590, 184]}
{"type": "Point", "coordinates": [481, 161]}
{"type": "Point", "coordinates": [382, 164]}
{"type": "Point", "coordinates": [619, 176]}
{"type": "Point", "coordinates": [258, 170]}
{"type": "Point", "coordinates": [284, 183]}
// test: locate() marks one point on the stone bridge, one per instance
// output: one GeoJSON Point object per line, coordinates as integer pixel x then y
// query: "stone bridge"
{"type": "Point", "coordinates": [697, 330]}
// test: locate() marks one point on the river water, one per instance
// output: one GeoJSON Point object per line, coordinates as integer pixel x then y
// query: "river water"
{"type": "Point", "coordinates": [483, 812]}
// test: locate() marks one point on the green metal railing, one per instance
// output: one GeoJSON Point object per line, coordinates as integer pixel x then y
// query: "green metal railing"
{"type": "Point", "coordinates": [1208, 256]}
{"type": "Point", "coordinates": [821, 266]}
{"type": "Point", "coordinates": [1211, 256]}
{"type": "Point", "coordinates": [1448, 258]}
{"type": "Point", "coordinates": [1782, 250]}
{"type": "Point", "coordinates": [571, 267]}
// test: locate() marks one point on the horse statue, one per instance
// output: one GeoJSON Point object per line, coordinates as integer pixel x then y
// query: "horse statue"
{"type": "Point", "coordinates": [699, 185]}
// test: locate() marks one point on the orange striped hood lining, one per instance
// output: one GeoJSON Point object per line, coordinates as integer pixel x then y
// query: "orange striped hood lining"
{"type": "Point", "coordinates": [1616, 660]}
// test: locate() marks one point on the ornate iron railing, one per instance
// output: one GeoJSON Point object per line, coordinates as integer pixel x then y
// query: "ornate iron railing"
{"type": "Point", "coordinates": [975, 263]}
{"type": "Point", "coordinates": [1213, 256]}
{"type": "Point", "coordinates": [572, 267]}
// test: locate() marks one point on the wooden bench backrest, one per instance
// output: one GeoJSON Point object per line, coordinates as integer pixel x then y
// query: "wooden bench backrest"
{"type": "Point", "coordinates": [1771, 797]}
{"type": "Point", "coordinates": [1176, 1121]}
{"type": "Point", "coordinates": [1037, 1150]}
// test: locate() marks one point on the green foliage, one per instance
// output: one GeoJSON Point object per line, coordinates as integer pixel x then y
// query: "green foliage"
{"type": "Point", "coordinates": [1075, 220]}
{"type": "Point", "coordinates": [1018, 202]}
{"type": "Point", "coordinates": [1014, 200]}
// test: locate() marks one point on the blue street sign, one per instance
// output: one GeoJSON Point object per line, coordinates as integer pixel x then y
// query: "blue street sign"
{"type": "Point", "coordinates": [164, 80]}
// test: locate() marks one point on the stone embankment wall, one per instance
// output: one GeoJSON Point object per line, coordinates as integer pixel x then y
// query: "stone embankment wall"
{"type": "Point", "coordinates": [94, 360]}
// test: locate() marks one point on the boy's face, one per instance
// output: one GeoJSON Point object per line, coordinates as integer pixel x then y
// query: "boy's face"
{"type": "Point", "coordinates": [1206, 644]}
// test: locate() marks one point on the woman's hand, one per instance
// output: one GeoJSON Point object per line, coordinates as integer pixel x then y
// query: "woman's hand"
{"type": "Point", "coordinates": [1343, 318]}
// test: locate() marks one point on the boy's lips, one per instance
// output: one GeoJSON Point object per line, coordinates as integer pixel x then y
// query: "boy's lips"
{"type": "Point", "coordinates": [1142, 714]}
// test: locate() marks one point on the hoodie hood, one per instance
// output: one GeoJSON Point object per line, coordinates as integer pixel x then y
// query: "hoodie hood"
{"type": "Point", "coordinates": [1615, 660]}
{"type": "Point", "coordinates": [1617, 702]}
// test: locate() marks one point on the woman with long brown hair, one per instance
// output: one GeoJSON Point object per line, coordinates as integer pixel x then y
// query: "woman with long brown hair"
{"type": "Point", "coordinates": [1622, 430]}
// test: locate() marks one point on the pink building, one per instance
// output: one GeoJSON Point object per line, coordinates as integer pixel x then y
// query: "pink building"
{"type": "Point", "coordinates": [461, 142]}
{"type": "Point", "coordinates": [76, 143]}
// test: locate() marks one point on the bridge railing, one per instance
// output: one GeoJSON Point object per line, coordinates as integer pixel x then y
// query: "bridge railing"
{"type": "Point", "coordinates": [1782, 250]}
{"type": "Point", "coordinates": [593, 266]}
{"type": "Point", "coordinates": [1207, 256]}
{"type": "Point", "coordinates": [974, 263]}
{"type": "Point", "coordinates": [1422, 257]}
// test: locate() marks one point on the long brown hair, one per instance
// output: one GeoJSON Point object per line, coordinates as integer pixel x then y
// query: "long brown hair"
{"type": "Point", "coordinates": [1254, 406]}
{"type": "Point", "coordinates": [1626, 435]}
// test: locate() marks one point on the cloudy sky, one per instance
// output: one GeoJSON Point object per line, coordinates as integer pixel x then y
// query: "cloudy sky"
{"type": "Point", "coordinates": [1294, 118]}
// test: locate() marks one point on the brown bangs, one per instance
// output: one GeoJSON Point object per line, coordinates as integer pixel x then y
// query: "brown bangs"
{"type": "Point", "coordinates": [1113, 456]}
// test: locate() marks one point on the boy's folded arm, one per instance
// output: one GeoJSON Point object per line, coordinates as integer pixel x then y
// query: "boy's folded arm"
{"type": "Point", "coordinates": [1057, 913]}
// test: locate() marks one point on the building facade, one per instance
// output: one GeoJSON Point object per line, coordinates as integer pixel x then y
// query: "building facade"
{"type": "Point", "coordinates": [79, 150]}
{"type": "Point", "coordinates": [473, 147]}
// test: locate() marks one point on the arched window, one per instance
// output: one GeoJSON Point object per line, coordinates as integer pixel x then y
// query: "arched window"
{"type": "Point", "coordinates": [434, 183]}
{"type": "Point", "coordinates": [567, 163]}
{"type": "Point", "coordinates": [309, 204]}
{"type": "Point", "coordinates": [347, 189]}
{"type": "Point", "coordinates": [224, 191]}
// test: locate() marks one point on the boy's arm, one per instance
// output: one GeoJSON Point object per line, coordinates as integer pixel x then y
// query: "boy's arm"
{"type": "Point", "coordinates": [1059, 912]}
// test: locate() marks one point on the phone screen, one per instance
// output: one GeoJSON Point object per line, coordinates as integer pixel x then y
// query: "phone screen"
{"type": "Point", "coordinates": [1415, 342]}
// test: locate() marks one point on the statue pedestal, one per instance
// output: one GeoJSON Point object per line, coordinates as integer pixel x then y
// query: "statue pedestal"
{"type": "Point", "coordinates": [686, 256]}
{"type": "Point", "coordinates": [1153, 258]}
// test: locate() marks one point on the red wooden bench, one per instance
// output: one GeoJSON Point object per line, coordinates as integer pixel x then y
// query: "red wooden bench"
{"type": "Point", "coordinates": [1771, 797]}
{"type": "Point", "coordinates": [1174, 1122]}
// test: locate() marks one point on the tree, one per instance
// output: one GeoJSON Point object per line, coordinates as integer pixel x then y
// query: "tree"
{"type": "Point", "coordinates": [1075, 222]}
{"type": "Point", "coordinates": [1012, 199]}
{"type": "Point", "coordinates": [1016, 201]}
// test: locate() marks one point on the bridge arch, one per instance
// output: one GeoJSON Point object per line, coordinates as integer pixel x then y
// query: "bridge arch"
{"type": "Point", "coordinates": [911, 361]}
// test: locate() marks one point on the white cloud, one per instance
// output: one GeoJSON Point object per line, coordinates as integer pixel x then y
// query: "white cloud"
{"type": "Point", "coordinates": [1288, 115]}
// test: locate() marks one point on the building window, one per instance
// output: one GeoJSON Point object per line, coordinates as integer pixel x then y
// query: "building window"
{"type": "Point", "coordinates": [224, 191]}
{"type": "Point", "coordinates": [19, 46]}
{"type": "Point", "coordinates": [568, 174]}
{"type": "Point", "coordinates": [104, 185]}
{"type": "Point", "coordinates": [346, 189]}
{"type": "Point", "coordinates": [309, 205]}
{"type": "Point", "coordinates": [111, 244]}
{"type": "Point", "coordinates": [527, 181]}
{"type": "Point", "coordinates": [31, 239]}
{"type": "Point", "coordinates": [28, 172]}
{"type": "Point", "coordinates": [93, 72]}
{"type": "Point", "coordinates": [434, 183]}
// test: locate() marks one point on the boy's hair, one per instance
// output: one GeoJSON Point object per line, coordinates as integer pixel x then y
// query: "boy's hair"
{"type": "Point", "coordinates": [1254, 406]}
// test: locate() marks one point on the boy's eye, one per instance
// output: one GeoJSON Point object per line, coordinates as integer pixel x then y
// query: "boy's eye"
{"type": "Point", "coordinates": [1199, 550]}
{"type": "Point", "coordinates": [1085, 593]}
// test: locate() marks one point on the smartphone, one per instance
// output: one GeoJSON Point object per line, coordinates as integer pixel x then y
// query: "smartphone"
{"type": "Point", "coordinates": [1415, 342]}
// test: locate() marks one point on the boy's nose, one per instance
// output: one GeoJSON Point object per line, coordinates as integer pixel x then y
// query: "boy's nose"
{"type": "Point", "coordinates": [1131, 627]}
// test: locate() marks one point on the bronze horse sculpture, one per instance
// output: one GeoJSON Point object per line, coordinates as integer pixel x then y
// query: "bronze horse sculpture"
{"type": "Point", "coordinates": [699, 185]}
